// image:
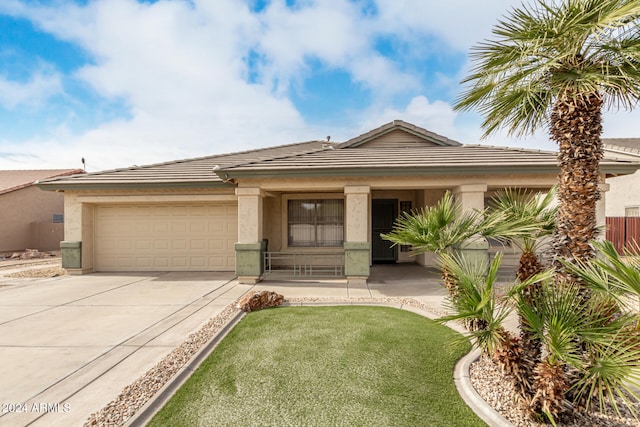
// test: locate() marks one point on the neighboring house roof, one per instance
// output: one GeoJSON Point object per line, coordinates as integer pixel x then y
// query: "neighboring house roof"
{"type": "Point", "coordinates": [13, 180]}
{"type": "Point", "coordinates": [396, 148]}
{"type": "Point", "coordinates": [628, 146]}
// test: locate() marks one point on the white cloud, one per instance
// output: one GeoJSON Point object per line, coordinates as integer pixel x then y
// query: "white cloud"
{"type": "Point", "coordinates": [181, 69]}
{"type": "Point", "coordinates": [32, 93]}
{"type": "Point", "coordinates": [437, 116]}
{"type": "Point", "coordinates": [461, 23]}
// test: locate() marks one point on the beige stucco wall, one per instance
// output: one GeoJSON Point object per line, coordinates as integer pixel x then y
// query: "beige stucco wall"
{"type": "Point", "coordinates": [273, 222]}
{"type": "Point", "coordinates": [624, 192]}
{"type": "Point", "coordinates": [264, 210]}
{"type": "Point", "coordinates": [19, 211]}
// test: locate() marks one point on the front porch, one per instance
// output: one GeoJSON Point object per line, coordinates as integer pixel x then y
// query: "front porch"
{"type": "Point", "coordinates": [404, 280]}
{"type": "Point", "coordinates": [285, 229]}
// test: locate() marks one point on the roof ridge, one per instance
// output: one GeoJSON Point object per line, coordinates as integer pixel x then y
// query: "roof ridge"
{"type": "Point", "coordinates": [398, 124]}
{"type": "Point", "coordinates": [332, 145]}
{"type": "Point", "coordinates": [509, 148]}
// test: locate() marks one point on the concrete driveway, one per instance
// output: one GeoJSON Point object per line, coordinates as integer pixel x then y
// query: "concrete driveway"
{"type": "Point", "coordinates": [69, 345]}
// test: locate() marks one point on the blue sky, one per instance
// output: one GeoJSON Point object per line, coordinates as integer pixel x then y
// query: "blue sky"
{"type": "Point", "coordinates": [123, 82]}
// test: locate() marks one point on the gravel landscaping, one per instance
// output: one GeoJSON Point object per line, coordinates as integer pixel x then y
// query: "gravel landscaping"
{"type": "Point", "coordinates": [488, 380]}
{"type": "Point", "coordinates": [34, 273]}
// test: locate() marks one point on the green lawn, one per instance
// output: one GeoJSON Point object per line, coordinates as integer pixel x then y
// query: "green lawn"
{"type": "Point", "coordinates": [326, 366]}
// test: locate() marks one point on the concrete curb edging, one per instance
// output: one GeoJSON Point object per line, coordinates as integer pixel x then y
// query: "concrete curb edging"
{"type": "Point", "coordinates": [470, 395]}
{"type": "Point", "coordinates": [153, 405]}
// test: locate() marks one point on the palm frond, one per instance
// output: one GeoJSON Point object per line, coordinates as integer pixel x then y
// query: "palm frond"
{"type": "Point", "coordinates": [550, 48]}
{"type": "Point", "coordinates": [612, 371]}
{"type": "Point", "coordinates": [476, 300]}
{"type": "Point", "coordinates": [434, 228]}
{"type": "Point", "coordinates": [609, 274]}
{"type": "Point", "coordinates": [535, 212]}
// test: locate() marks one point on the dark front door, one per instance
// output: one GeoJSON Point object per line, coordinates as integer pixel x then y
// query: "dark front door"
{"type": "Point", "coordinates": [383, 215]}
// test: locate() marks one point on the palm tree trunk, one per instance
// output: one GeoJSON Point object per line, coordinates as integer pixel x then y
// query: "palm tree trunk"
{"type": "Point", "coordinates": [576, 125]}
{"type": "Point", "coordinates": [528, 266]}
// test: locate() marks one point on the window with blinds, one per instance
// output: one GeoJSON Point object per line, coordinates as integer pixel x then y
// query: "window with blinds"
{"type": "Point", "coordinates": [316, 223]}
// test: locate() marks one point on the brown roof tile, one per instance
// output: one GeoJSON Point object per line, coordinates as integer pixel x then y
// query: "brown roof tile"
{"type": "Point", "coordinates": [324, 158]}
{"type": "Point", "coordinates": [196, 171]}
{"type": "Point", "coordinates": [626, 145]}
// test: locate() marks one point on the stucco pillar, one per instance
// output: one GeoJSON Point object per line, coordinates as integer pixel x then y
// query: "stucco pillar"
{"type": "Point", "coordinates": [77, 246]}
{"type": "Point", "coordinates": [601, 218]}
{"type": "Point", "coordinates": [357, 247]}
{"type": "Point", "coordinates": [471, 197]}
{"type": "Point", "coordinates": [250, 246]}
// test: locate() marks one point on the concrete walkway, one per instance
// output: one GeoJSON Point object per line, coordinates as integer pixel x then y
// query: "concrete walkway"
{"type": "Point", "coordinates": [69, 345]}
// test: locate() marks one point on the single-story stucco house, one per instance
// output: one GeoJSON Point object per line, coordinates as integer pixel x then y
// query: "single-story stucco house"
{"type": "Point", "coordinates": [31, 219]}
{"type": "Point", "coordinates": [322, 203]}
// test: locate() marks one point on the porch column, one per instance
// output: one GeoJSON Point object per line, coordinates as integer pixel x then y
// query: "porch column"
{"type": "Point", "coordinates": [601, 216]}
{"type": "Point", "coordinates": [250, 245]}
{"type": "Point", "coordinates": [471, 197]}
{"type": "Point", "coordinates": [357, 248]}
{"type": "Point", "coordinates": [77, 247]}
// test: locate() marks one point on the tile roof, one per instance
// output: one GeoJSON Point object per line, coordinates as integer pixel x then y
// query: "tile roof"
{"type": "Point", "coordinates": [322, 158]}
{"type": "Point", "coordinates": [427, 159]}
{"type": "Point", "coordinates": [402, 125]}
{"type": "Point", "coordinates": [12, 180]}
{"type": "Point", "coordinates": [626, 145]}
{"type": "Point", "coordinates": [188, 172]}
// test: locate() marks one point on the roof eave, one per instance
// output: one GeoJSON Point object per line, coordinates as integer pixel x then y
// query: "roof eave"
{"type": "Point", "coordinates": [61, 186]}
{"type": "Point", "coordinates": [391, 171]}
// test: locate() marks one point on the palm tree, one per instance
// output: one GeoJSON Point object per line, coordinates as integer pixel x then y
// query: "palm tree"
{"type": "Point", "coordinates": [435, 229]}
{"type": "Point", "coordinates": [442, 227]}
{"type": "Point", "coordinates": [589, 355]}
{"type": "Point", "coordinates": [567, 377]}
{"type": "Point", "coordinates": [556, 65]}
{"type": "Point", "coordinates": [522, 205]}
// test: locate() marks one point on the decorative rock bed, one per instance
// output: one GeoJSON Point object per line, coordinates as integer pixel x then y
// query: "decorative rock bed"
{"type": "Point", "coordinates": [34, 273]}
{"type": "Point", "coordinates": [488, 380]}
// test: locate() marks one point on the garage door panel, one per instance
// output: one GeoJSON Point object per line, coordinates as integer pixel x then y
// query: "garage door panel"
{"type": "Point", "coordinates": [160, 262]}
{"type": "Point", "coordinates": [143, 244]}
{"type": "Point", "coordinates": [198, 227]}
{"type": "Point", "coordinates": [166, 237]}
{"type": "Point", "coordinates": [179, 227]}
{"type": "Point", "coordinates": [160, 244]}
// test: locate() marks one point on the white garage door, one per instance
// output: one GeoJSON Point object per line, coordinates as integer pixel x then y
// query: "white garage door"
{"type": "Point", "coordinates": [173, 237]}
